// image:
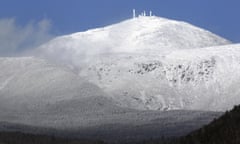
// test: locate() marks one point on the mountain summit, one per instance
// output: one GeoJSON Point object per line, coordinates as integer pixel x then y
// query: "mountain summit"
{"type": "Point", "coordinates": [144, 34]}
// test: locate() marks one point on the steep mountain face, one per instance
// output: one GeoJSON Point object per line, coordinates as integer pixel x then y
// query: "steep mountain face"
{"type": "Point", "coordinates": [153, 63]}
{"type": "Point", "coordinates": [205, 79]}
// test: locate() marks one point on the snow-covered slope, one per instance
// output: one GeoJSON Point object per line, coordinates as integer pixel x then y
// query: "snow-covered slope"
{"type": "Point", "coordinates": [30, 83]}
{"type": "Point", "coordinates": [37, 96]}
{"type": "Point", "coordinates": [139, 35]}
{"type": "Point", "coordinates": [204, 78]}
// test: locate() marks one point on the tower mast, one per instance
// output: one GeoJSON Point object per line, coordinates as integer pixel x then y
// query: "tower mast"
{"type": "Point", "coordinates": [134, 13]}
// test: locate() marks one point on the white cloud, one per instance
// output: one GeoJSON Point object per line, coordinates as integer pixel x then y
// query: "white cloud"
{"type": "Point", "coordinates": [15, 39]}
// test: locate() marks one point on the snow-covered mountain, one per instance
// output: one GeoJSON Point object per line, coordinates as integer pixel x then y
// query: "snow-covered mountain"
{"type": "Point", "coordinates": [122, 78]}
{"type": "Point", "coordinates": [153, 63]}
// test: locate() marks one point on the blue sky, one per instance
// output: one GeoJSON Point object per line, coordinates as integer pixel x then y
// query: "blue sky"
{"type": "Point", "coordinates": [68, 16]}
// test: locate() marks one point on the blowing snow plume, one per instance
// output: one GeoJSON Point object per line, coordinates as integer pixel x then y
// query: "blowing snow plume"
{"type": "Point", "coordinates": [145, 34]}
{"type": "Point", "coordinates": [16, 39]}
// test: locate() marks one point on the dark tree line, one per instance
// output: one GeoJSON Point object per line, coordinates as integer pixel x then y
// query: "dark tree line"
{"type": "Point", "coordinates": [23, 138]}
{"type": "Point", "coordinates": [224, 130]}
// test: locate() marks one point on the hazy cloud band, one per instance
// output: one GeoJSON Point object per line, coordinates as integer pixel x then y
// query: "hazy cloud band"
{"type": "Point", "coordinates": [15, 39]}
